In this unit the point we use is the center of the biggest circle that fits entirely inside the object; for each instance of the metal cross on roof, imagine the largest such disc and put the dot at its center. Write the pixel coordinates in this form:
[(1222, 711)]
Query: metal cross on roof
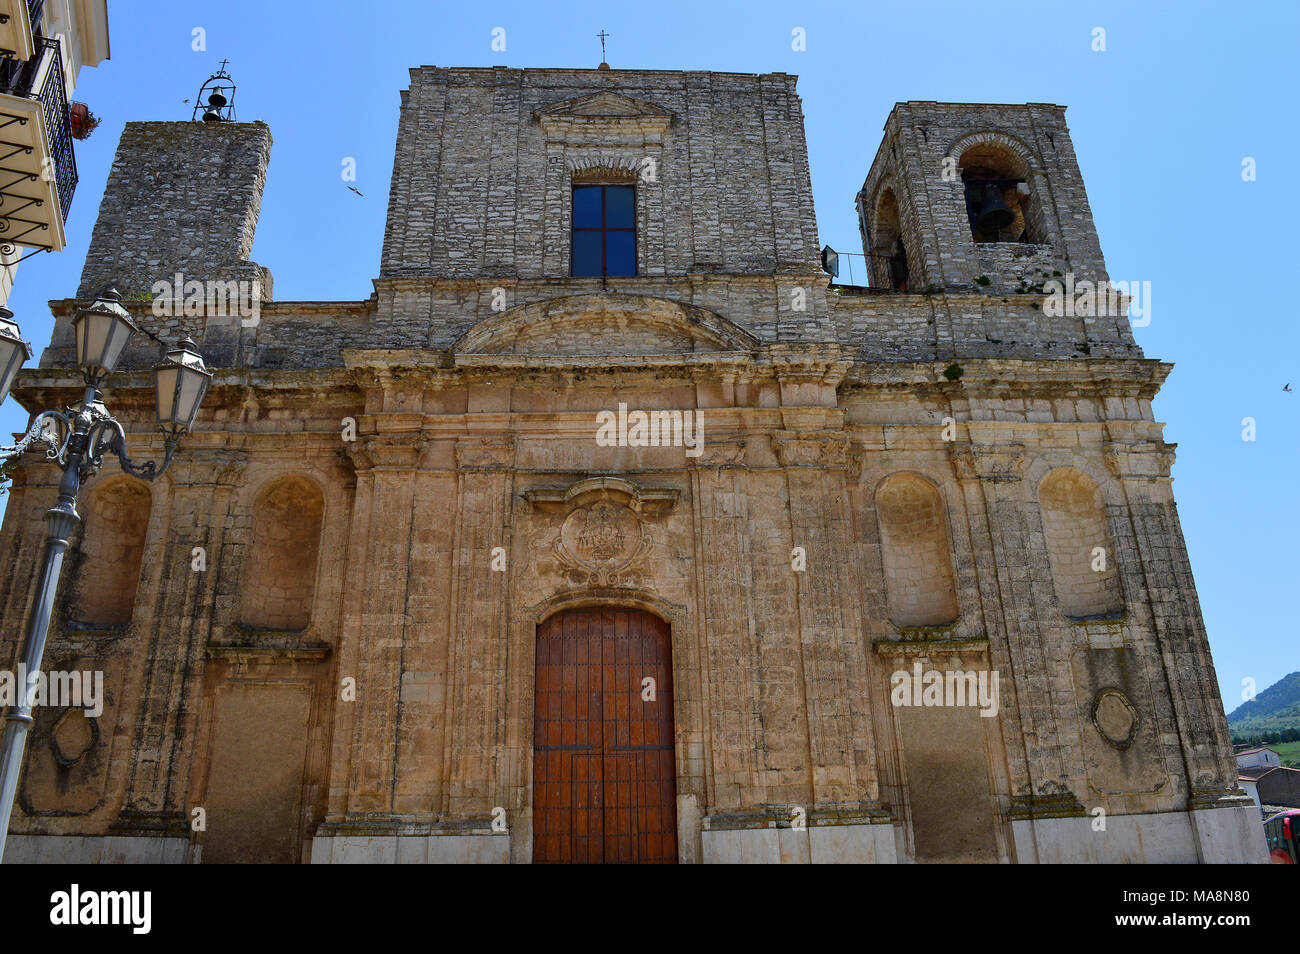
[(602, 34)]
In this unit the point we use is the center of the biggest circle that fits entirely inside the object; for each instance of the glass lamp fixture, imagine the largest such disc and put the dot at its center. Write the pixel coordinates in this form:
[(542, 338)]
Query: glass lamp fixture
[(180, 383), (102, 331), (13, 351)]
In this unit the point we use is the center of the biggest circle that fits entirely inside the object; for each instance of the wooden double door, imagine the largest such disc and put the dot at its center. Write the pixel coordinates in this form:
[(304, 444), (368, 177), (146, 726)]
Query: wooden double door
[(604, 779)]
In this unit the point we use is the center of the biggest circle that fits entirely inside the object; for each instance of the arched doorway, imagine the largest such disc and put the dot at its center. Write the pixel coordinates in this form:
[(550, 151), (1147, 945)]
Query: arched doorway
[(604, 780)]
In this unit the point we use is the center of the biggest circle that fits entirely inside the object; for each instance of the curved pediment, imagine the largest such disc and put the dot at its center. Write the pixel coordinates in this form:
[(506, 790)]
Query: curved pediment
[(599, 325)]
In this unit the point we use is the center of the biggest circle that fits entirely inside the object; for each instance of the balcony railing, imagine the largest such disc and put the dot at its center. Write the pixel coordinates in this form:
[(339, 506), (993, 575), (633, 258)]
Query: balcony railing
[(23, 159), (17, 36), (876, 273)]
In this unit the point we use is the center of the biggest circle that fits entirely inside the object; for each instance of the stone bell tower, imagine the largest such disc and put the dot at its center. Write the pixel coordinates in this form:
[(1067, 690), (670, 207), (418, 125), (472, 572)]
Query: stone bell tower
[(181, 196), (182, 199), (985, 198)]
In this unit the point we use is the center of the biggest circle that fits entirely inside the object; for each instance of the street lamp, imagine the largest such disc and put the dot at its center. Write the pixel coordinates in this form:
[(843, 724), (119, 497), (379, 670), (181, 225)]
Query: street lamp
[(13, 351), (179, 384), (77, 440), (101, 332)]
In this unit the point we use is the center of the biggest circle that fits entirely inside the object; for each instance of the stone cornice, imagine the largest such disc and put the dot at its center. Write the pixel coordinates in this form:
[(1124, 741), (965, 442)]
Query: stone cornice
[(913, 642), (781, 816), (66, 307), (51, 387), (1062, 804), (1140, 460), (1117, 377), (824, 363), (246, 655)]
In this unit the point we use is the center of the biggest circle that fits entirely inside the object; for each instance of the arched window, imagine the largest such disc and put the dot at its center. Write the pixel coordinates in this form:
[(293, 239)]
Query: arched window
[(280, 573), (1078, 544), (914, 549), (888, 264), (999, 198), (112, 548)]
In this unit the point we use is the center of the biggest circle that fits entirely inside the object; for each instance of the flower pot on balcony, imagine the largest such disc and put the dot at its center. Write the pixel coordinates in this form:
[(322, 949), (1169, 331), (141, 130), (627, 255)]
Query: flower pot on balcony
[(82, 120)]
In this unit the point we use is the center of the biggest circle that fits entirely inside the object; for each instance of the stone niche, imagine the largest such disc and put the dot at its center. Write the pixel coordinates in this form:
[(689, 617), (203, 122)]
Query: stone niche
[(255, 779)]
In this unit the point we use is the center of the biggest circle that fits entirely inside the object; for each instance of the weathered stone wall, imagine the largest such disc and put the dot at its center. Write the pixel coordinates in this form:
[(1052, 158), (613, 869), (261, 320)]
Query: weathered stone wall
[(444, 436), (150, 765), (446, 468), (481, 181), (436, 313), (181, 196)]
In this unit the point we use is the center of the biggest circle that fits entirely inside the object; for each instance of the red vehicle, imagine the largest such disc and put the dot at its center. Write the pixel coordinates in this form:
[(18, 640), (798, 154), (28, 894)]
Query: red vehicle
[(1282, 832)]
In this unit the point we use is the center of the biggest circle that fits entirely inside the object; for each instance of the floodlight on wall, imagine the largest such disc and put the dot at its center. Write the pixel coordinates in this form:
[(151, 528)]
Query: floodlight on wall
[(831, 262)]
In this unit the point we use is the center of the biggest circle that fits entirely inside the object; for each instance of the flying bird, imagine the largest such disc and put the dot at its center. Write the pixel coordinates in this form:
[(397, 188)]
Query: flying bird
[(1287, 386), (356, 190)]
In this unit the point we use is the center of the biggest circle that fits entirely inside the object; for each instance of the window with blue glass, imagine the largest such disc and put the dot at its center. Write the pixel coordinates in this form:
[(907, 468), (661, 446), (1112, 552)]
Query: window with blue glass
[(604, 230)]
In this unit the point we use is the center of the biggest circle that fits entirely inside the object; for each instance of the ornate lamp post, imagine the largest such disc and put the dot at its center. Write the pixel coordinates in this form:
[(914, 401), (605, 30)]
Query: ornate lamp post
[(77, 440)]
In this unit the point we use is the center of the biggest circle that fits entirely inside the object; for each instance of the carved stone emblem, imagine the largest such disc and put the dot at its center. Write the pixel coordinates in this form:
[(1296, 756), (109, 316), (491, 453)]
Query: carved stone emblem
[(600, 543), (603, 537)]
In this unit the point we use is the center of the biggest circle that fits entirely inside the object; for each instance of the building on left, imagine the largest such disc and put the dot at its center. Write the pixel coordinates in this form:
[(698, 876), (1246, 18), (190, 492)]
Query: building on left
[(43, 46)]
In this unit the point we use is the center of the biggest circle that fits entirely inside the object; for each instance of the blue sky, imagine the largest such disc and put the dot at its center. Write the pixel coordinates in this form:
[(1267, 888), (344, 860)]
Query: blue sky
[(1161, 122)]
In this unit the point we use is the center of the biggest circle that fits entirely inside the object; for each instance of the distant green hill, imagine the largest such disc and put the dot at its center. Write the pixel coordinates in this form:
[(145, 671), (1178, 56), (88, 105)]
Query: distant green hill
[(1276, 709)]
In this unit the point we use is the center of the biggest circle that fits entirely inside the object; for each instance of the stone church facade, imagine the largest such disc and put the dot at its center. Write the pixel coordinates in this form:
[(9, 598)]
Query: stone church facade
[(516, 562)]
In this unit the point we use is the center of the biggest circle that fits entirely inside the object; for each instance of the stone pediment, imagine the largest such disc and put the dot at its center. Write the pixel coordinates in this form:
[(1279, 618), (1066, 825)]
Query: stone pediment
[(596, 105), (604, 325), (605, 108)]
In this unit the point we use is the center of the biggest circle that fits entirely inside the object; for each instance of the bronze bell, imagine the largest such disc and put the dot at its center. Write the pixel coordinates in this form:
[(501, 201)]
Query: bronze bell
[(211, 116), (994, 214), (217, 100), (898, 268)]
